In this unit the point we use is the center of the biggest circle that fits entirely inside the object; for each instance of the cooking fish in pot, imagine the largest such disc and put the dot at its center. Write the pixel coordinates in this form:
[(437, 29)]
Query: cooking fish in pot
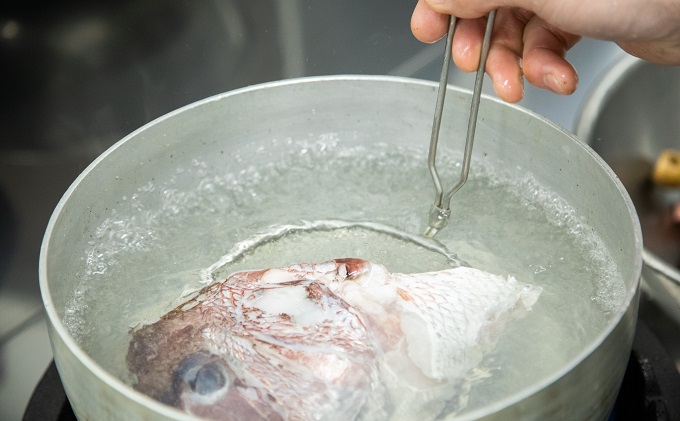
[(108, 263), (343, 339)]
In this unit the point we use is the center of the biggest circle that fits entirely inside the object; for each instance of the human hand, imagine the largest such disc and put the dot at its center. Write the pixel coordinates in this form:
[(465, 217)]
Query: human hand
[(531, 38)]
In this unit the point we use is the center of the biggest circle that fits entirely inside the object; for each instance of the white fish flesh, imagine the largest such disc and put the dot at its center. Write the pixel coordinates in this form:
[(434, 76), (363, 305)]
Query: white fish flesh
[(339, 340)]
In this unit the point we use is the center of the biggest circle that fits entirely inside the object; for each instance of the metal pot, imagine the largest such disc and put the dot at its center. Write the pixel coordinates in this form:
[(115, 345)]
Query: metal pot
[(360, 109), (629, 118)]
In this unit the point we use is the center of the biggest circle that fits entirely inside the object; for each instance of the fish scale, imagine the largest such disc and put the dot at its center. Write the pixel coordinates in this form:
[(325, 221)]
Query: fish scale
[(465, 300)]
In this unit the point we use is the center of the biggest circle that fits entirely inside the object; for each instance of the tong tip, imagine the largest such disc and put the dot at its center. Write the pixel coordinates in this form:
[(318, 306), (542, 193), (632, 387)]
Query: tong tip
[(438, 219)]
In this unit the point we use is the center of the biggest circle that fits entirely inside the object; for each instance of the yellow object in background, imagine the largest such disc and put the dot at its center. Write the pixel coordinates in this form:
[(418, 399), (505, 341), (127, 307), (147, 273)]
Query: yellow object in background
[(667, 168)]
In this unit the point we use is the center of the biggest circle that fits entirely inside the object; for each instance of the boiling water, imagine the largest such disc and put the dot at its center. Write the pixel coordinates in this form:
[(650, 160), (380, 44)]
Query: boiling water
[(323, 201)]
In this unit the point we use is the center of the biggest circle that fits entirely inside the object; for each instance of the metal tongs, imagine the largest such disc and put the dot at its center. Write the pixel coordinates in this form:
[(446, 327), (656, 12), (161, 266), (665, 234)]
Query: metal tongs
[(441, 209)]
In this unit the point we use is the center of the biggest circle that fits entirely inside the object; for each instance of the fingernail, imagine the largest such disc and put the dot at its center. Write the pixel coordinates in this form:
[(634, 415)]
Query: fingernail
[(553, 84)]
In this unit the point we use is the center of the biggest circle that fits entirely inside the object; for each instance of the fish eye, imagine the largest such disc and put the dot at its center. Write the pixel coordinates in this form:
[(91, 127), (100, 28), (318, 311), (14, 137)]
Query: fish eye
[(202, 374), (209, 379)]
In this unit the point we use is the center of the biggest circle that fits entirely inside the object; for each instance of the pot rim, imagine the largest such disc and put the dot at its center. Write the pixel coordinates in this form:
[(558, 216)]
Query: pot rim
[(603, 90), (165, 410)]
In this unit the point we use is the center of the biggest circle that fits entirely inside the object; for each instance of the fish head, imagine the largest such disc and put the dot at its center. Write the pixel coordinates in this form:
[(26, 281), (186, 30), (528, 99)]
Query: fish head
[(273, 344)]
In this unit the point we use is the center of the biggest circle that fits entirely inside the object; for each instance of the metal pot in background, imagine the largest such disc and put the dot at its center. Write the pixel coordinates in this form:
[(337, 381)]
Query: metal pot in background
[(630, 117)]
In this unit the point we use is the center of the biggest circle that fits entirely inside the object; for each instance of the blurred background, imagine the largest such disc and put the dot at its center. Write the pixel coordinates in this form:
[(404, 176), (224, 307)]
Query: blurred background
[(77, 76)]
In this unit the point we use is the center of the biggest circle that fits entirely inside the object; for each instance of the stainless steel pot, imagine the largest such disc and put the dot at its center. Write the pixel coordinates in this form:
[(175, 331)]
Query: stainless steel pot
[(629, 118), (361, 109)]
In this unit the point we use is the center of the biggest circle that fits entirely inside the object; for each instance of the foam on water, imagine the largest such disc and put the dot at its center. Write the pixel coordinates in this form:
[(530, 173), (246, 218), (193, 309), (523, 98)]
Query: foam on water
[(163, 242)]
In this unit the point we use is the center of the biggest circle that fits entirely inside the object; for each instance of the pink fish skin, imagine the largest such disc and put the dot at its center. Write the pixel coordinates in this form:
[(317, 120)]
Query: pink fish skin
[(322, 341)]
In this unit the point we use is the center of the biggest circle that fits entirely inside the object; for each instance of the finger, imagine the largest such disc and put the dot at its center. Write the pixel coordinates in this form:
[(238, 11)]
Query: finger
[(428, 25), (463, 9), (544, 62), (467, 43), (504, 60)]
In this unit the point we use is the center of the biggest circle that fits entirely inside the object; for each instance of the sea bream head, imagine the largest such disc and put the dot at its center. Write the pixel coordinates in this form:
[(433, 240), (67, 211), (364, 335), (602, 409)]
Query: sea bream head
[(269, 344), (338, 340)]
